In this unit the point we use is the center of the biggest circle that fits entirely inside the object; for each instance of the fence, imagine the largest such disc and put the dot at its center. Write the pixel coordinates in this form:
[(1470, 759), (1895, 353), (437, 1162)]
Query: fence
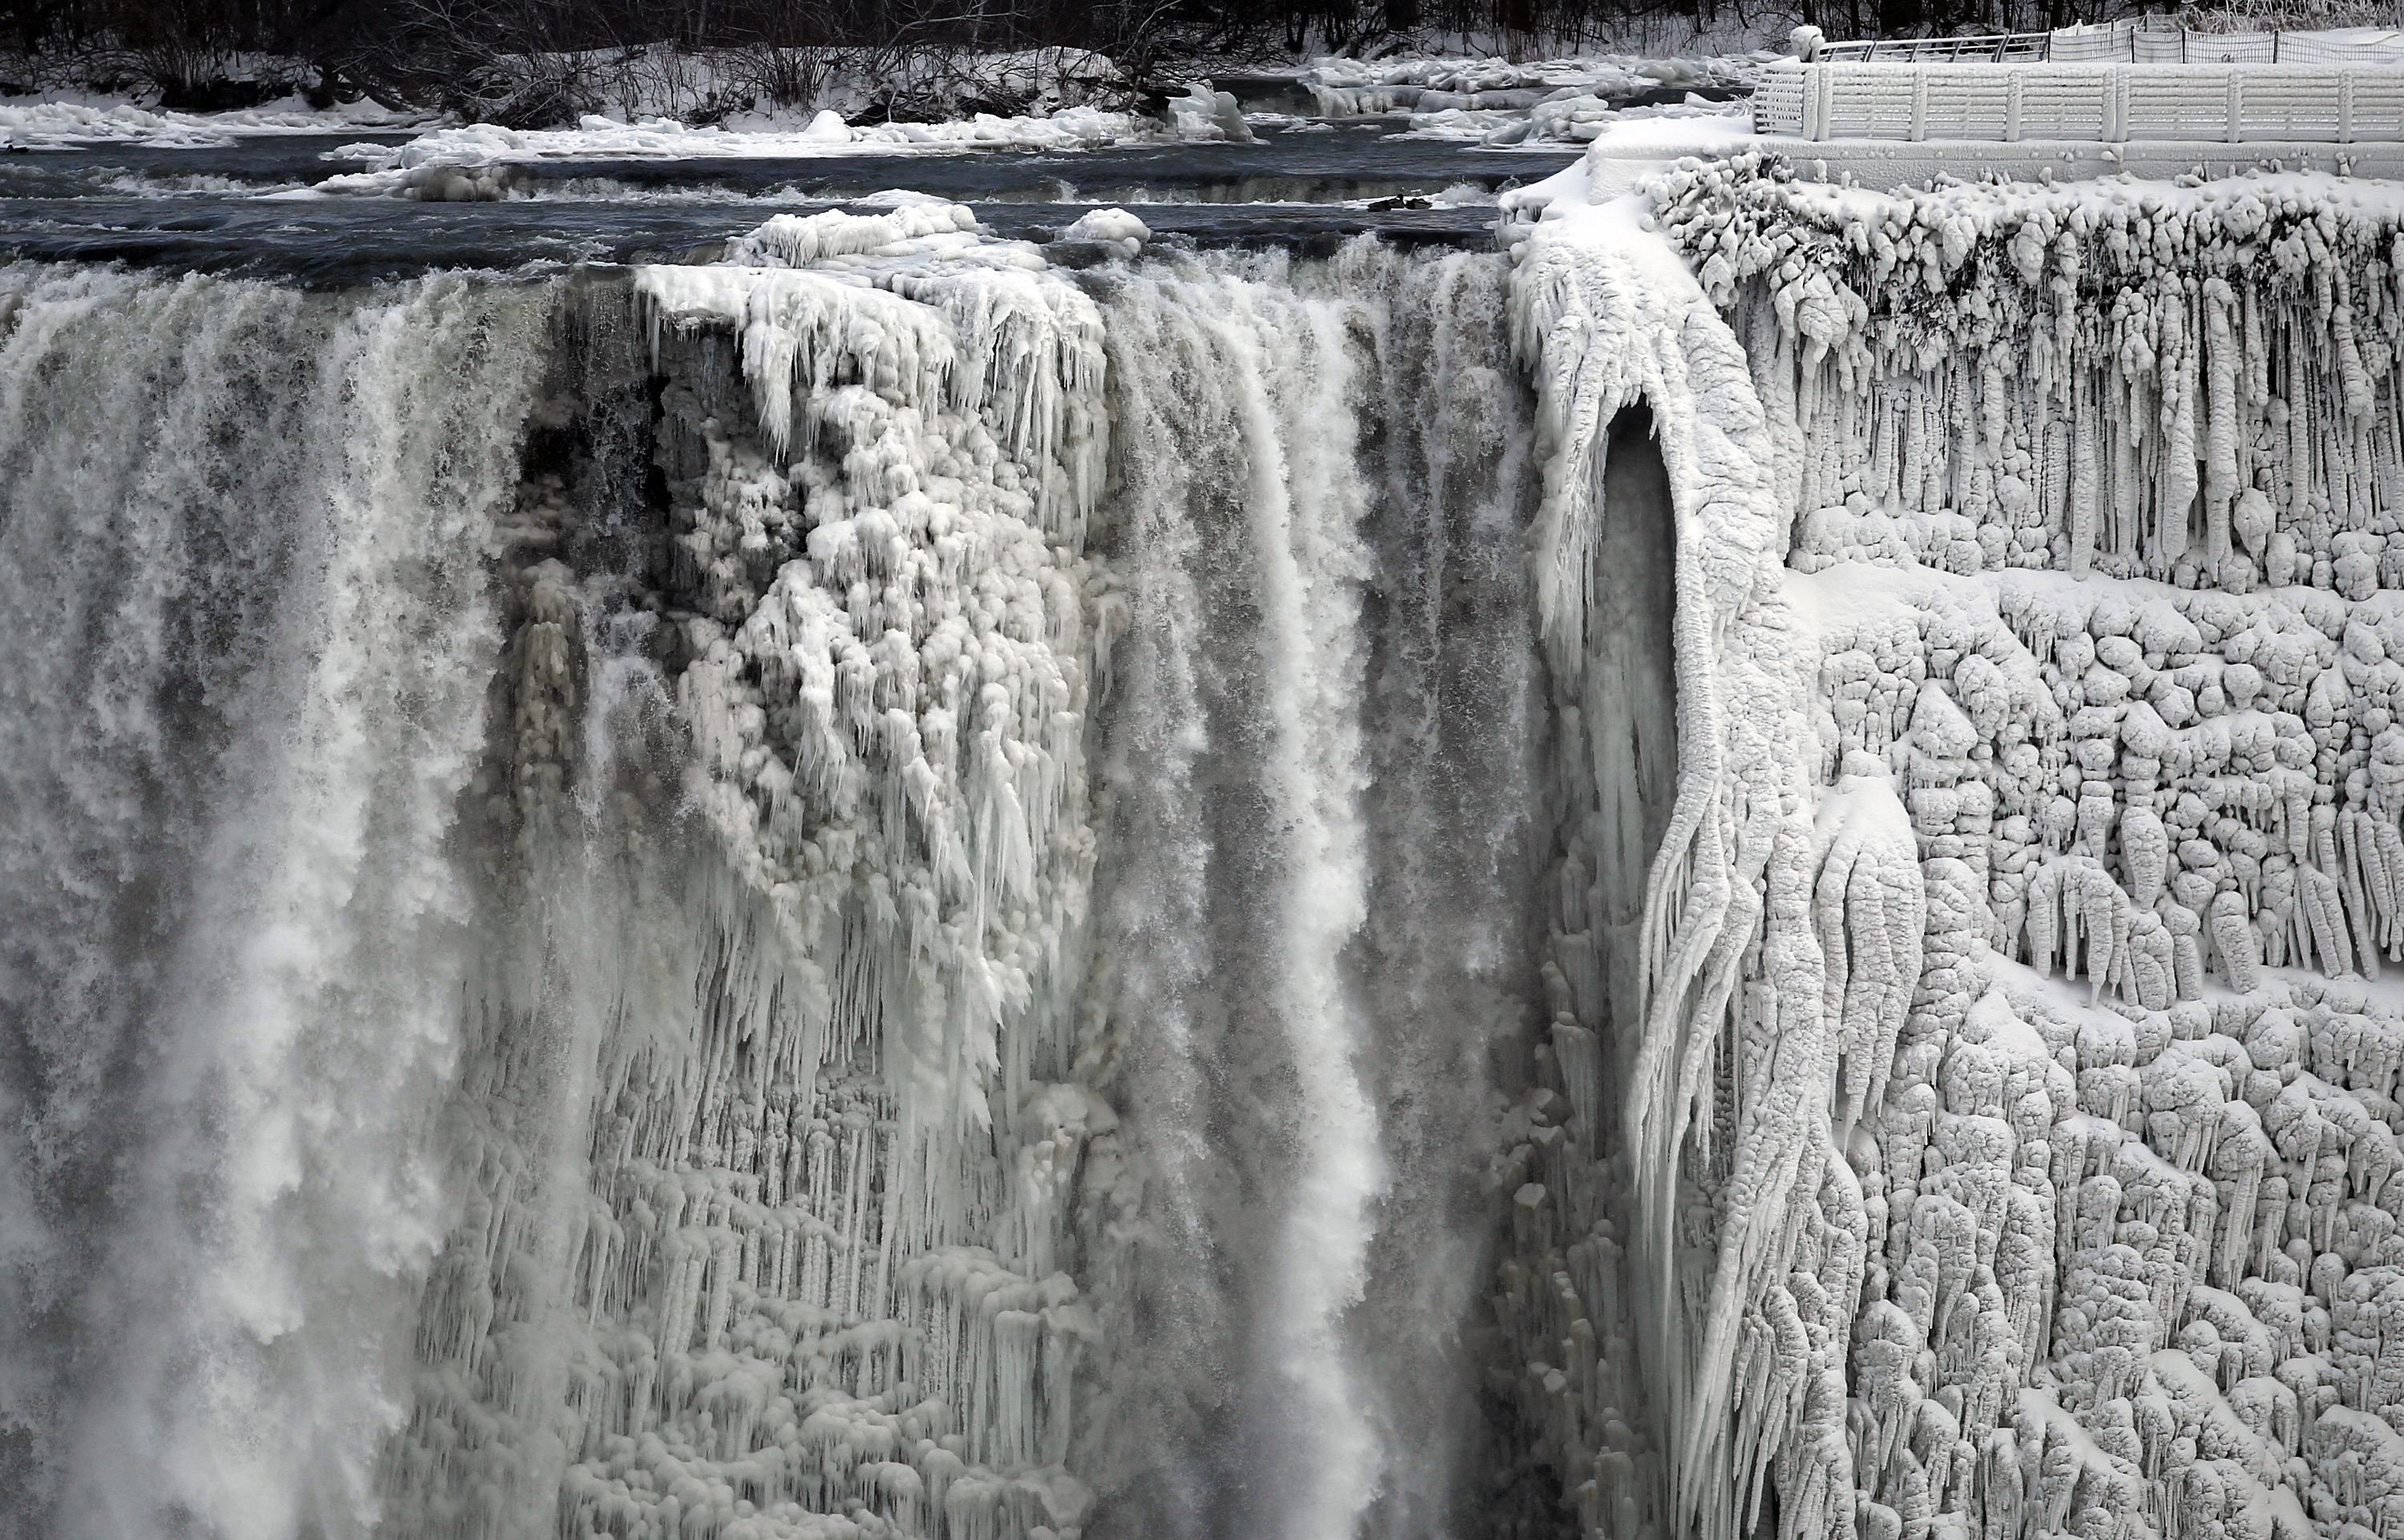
[(2003, 48), (2108, 104), (2130, 43)]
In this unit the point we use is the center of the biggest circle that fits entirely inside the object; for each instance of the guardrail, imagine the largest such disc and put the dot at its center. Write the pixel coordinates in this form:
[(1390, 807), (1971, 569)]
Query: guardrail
[(2108, 104), (2129, 43), (2002, 49)]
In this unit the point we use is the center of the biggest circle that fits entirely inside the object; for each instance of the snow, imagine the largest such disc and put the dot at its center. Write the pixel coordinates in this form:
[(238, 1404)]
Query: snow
[(600, 137), (1115, 225), (1501, 101), (1204, 114), (61, 121), (1348, 87)]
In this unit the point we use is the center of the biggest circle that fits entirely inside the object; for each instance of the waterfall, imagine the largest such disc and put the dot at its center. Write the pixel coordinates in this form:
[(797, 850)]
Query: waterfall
[(1721, 877), (875, 891), (1318, 776), (245, 536)]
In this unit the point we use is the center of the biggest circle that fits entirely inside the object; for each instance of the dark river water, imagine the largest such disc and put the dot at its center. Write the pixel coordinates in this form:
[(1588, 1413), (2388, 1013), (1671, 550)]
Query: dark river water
[(252, 206)]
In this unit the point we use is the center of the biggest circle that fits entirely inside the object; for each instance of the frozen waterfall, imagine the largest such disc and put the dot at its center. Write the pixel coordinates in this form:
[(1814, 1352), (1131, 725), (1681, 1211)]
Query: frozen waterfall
[(864, 891), (1732, 873)]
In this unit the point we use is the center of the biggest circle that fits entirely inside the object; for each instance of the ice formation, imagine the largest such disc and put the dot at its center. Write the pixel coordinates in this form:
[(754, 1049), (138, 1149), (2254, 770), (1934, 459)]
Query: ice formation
[(58, 122), (1202, 113), (2042, 1182), (833, 1167), (1732, 876), (1350, 87), (488, 145)]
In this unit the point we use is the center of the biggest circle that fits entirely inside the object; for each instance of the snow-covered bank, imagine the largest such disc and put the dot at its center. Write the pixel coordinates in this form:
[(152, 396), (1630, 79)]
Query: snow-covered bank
[(657, 103), (1500, 102), (826, 133), (65, 121), (1349, 87)]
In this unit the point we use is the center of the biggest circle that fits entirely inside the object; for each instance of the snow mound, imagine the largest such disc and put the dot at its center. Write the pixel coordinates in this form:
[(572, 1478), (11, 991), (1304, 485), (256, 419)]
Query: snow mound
[(598, 137), (61, 123), (1115, 225), (1202, 113)]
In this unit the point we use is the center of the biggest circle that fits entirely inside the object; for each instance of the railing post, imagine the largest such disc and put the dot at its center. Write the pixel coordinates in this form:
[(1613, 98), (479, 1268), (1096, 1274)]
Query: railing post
[(2012, 108), (2345, 107), (2236, 104), (1919, 104)]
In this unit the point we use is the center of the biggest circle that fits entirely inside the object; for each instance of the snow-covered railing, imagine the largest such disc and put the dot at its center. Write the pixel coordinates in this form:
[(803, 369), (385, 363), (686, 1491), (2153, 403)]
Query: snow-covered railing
[(2001, 47), (2133, 42), (2129, 43), (2108, 104)]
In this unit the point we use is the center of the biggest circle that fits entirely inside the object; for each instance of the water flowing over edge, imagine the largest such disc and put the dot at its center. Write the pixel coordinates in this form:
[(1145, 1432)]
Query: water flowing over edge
[(1987, 1123)]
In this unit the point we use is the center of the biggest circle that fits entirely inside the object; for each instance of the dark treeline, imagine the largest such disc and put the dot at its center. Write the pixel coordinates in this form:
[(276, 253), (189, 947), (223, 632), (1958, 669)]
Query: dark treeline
[(533, 59)]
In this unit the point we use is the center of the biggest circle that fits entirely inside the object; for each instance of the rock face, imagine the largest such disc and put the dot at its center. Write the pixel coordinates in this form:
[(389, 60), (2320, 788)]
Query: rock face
[(2041, 1180)]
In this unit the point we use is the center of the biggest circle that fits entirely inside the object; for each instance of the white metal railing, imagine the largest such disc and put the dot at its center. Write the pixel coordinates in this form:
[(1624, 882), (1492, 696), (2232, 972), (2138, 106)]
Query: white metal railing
[(2108, 104), (2003, 48), (2133, 42)]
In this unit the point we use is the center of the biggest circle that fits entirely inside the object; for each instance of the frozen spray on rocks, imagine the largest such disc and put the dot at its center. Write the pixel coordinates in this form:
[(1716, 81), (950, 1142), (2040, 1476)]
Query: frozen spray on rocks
[(2031, 1171)]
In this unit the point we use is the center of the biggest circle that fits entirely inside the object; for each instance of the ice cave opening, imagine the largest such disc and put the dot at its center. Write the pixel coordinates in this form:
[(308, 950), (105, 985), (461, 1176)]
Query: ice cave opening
[(1635, 733)]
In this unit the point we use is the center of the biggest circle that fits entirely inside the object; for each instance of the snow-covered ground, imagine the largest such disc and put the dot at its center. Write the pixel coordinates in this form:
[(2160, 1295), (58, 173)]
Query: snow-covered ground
[(1350, 86), (63, 121), (1503, 102)]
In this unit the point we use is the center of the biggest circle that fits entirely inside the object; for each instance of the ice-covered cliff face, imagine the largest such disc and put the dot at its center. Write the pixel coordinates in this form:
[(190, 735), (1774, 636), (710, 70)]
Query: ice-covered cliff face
[(871, 891), (2060, 982)]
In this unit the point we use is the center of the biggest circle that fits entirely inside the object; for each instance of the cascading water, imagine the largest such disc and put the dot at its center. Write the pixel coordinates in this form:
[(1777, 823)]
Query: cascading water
[(246, 538), (870, 893), (910, 886), (1318, 760)]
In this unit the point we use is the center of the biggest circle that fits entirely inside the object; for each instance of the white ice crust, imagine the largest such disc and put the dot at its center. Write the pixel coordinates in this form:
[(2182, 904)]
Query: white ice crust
[(2013, 1126)]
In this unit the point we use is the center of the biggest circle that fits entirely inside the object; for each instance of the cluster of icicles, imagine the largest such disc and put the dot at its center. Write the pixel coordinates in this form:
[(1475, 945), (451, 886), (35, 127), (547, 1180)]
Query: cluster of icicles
[(2004, 1140), (2050, 1148), (2192, 384), (817, 1288)]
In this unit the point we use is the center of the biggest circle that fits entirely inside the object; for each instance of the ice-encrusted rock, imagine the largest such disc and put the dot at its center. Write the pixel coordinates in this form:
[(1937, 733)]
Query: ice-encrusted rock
[(2093, 500)]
